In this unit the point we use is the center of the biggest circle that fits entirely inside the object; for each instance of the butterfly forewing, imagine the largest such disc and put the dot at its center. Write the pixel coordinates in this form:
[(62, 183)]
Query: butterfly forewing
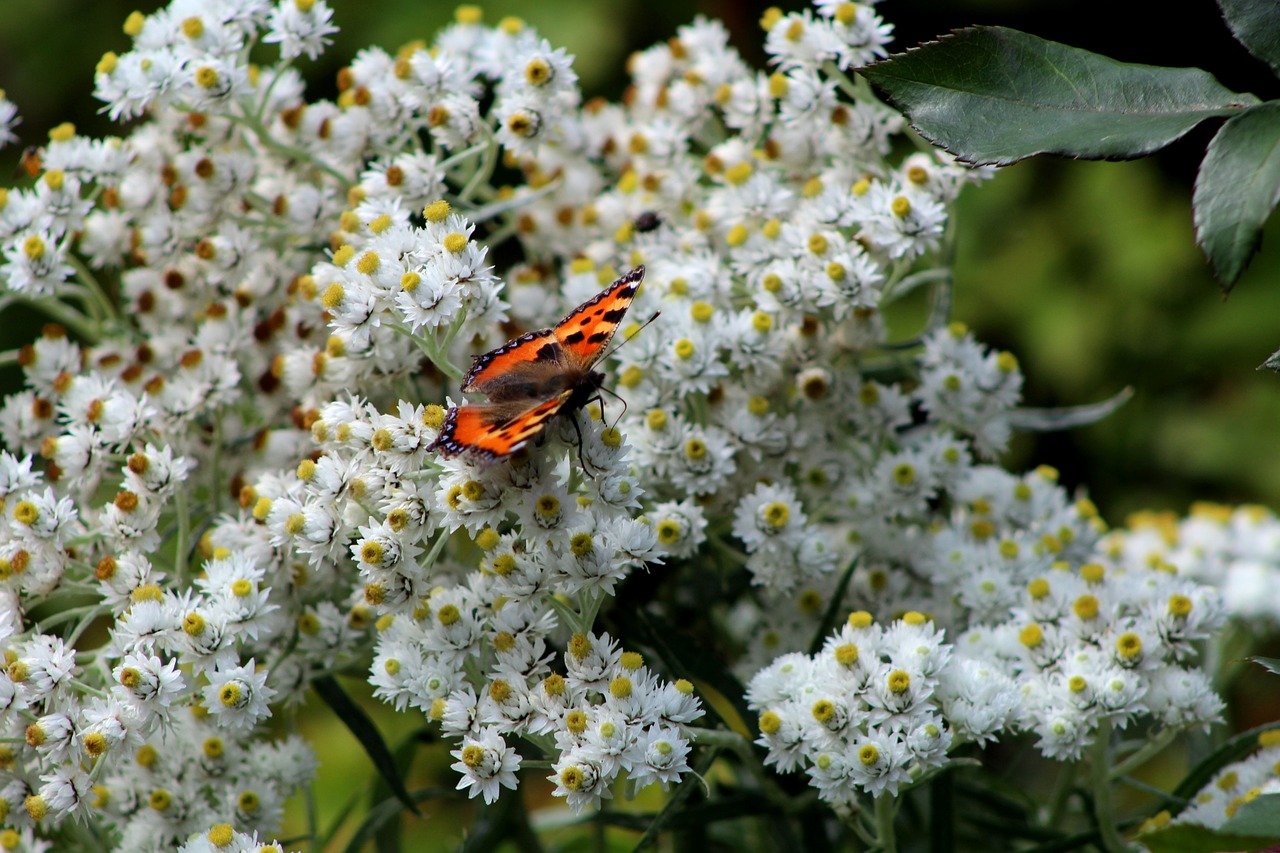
[(531, 348), (588, 329)]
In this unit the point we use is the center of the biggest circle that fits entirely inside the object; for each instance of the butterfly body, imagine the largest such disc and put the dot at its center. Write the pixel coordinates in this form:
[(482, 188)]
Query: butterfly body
[(533, 378)]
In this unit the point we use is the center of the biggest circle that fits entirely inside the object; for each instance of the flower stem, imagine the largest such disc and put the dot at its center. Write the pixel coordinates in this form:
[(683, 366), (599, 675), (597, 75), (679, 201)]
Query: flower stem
[(1062, 794), (884, 824), (1100, 776), (67, 316), (184, 532), (1141, 756)]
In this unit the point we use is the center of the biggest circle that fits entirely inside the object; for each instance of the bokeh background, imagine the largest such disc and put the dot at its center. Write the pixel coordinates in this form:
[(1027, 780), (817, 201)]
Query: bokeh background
[(1087, 271)]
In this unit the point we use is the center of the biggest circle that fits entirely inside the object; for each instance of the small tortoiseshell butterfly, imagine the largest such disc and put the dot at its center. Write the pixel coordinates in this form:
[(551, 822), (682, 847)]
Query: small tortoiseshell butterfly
[(536, 376)]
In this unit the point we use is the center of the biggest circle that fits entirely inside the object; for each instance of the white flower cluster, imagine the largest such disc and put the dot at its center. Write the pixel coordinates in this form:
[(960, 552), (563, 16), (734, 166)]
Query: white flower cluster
[(860, 715), (236, 493), (1236, 550), (1044, 635)]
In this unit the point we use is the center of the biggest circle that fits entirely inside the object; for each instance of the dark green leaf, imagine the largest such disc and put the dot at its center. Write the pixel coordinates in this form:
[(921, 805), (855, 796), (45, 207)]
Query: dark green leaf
[(387, 809), (358, 722), (687, 786), (1233, 750), (1187, 838), (996, 95), (387, 839), (1259, 816), (1256, 24), (1068, 417), (828, 622), (1271, 664), (1237, 188)]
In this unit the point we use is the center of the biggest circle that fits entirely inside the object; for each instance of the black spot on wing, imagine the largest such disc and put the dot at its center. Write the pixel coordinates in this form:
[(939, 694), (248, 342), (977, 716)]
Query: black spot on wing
[(574, 337), (546, 352), (615, 315), (598, 337)]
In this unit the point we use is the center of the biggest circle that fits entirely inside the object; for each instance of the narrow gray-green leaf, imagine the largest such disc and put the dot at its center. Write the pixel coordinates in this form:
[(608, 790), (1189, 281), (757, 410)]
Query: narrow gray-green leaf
[(1237, 188), (1271, 664), (1068, 417), (1256, 24), (994, 95), (1191, 838), (1259, 816), (1236, 748), (359, 724), (1272, 362)]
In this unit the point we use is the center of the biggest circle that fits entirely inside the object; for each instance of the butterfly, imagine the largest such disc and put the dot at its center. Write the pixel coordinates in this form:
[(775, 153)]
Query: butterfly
[(538, 375)]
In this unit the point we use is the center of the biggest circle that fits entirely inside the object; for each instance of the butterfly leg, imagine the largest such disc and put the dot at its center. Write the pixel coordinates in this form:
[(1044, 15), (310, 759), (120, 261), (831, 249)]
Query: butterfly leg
[(577, 431), (622, 399)]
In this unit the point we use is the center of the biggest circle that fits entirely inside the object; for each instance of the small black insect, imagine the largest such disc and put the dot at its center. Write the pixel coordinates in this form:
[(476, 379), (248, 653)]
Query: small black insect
[(646, 222)]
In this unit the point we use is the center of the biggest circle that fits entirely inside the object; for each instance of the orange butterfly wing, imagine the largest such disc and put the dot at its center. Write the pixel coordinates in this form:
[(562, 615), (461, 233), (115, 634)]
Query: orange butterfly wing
[(588, 329), (495, 430)]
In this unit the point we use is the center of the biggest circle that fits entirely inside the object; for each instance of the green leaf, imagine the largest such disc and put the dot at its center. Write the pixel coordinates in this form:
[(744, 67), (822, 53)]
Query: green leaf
[(1068, 417), (1271, 664), (994, 95), (387, 839), (674, 805), (1237, 188), (358, 722), (1233, 750), (387, 809), (1256, 25), (1189, 838), (1259, 816), (828, 622)]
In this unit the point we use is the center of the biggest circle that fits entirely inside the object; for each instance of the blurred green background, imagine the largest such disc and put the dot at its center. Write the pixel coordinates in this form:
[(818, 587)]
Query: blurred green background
[(1087, 271)]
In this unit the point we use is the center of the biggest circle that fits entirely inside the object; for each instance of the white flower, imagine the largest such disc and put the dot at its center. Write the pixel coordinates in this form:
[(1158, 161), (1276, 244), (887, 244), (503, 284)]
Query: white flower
[(237, 696), (486, 763)]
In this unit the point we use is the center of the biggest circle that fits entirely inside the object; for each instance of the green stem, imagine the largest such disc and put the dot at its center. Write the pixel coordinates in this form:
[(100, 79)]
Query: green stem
[(215, 467), (465, 154), (90, 281), (64, 616), (1100, 776), (484, 172), (264, 137), (430, 350), (67, 316), (81, 687), (84, 623), (1141, 756), (588, 607), (1062, 794), (184, 532), (884, 824)]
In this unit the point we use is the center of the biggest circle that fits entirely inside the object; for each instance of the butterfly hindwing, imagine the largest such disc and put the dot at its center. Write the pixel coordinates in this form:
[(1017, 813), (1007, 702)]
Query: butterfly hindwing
[(587, 330), (495, 430)]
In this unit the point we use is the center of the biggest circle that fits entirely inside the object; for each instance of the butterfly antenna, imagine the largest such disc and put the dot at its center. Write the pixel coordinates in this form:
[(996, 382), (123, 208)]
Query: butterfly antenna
[(629, 337)]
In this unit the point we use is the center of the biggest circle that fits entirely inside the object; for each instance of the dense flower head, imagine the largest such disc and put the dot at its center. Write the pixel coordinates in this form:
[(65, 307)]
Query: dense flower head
[(232, 449)]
